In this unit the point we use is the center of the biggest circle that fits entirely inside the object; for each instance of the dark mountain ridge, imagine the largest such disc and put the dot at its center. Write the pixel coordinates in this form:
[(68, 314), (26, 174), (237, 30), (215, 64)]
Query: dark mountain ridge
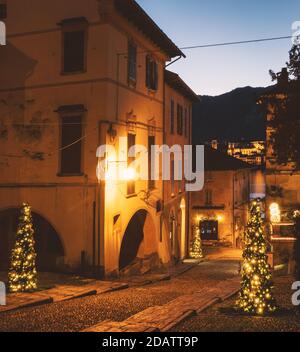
[(232, 116)]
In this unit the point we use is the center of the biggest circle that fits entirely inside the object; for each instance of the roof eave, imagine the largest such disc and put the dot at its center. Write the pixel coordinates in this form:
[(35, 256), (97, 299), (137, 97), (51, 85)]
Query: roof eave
[(135, 14)]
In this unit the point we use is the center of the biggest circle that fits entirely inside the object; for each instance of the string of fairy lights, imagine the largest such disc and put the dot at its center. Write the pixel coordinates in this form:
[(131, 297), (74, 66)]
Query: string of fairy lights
[(22, 275)]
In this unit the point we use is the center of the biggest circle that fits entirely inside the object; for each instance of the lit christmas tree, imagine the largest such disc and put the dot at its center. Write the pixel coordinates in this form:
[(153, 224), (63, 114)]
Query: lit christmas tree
[(22, 274), (256, 295), (196, 246)]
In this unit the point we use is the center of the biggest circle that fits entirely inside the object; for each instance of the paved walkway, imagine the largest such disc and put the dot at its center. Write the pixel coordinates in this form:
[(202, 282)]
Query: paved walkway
[(130, 307), (58, 294), (61, 293), (164, 318)]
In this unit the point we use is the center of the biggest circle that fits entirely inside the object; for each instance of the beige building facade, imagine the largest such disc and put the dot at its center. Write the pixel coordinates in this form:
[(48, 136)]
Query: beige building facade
[(75, 76), (179, 99)]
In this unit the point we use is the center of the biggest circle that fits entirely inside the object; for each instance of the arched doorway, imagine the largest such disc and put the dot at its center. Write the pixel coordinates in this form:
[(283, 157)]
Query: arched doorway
[(138, 240), (49, 248)]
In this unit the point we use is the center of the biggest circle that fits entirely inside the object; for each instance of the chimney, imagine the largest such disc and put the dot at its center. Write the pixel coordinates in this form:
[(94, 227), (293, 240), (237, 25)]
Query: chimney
[(214, 144), (283, 77)]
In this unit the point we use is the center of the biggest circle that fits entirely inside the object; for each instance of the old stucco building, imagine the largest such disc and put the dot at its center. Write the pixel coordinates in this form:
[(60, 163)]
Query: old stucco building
[(74, 76), (179, 99), (220, 210)]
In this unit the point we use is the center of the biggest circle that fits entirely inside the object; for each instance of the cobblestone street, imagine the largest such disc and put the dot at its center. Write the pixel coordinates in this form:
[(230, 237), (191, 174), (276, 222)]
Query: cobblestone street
[(83, 313)]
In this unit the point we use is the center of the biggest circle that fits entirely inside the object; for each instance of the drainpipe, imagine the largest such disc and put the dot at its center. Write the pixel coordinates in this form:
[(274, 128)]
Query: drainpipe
[(164, 139), (101, 213)]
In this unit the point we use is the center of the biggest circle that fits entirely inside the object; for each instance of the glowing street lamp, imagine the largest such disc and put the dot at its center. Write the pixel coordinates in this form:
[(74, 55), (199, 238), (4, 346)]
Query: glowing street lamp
[(129, 174), (220, 218)]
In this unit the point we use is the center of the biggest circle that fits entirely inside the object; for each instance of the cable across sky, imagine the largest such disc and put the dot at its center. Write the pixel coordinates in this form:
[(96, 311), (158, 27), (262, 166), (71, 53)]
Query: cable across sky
[(236, 43)]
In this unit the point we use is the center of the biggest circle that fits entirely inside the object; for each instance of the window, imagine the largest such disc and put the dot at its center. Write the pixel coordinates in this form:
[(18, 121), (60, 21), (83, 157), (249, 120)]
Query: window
[(151, 73), (172, 117), (208, 197), (74, 45), (185, 123), (151, 183), (132, 63), (179, 120), (172, 178), (71, 145), (3, 11), (130, 183)]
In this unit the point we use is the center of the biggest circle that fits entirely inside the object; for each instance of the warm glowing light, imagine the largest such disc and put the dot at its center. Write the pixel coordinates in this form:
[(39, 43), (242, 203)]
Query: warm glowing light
[(220, 218), (129, 174), (256, 296), (283, 239), (275, 213)]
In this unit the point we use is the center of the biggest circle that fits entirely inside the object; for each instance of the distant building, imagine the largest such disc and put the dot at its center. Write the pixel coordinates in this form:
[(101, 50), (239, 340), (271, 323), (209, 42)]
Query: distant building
[(251, 152), (221, 208)]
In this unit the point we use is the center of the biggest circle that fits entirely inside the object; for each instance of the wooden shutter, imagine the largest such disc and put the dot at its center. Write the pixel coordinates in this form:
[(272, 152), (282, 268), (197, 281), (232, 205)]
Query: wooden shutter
[(148, 71), (3, 11), (155, 74), (74, 51), (132, 62)]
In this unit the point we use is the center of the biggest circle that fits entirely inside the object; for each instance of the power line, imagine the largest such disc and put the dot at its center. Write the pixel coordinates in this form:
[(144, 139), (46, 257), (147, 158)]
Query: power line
[(236, 43), (201, 46)]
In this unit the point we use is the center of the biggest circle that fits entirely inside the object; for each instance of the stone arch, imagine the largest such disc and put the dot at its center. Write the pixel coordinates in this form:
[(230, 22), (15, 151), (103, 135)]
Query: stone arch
[(48, 243)]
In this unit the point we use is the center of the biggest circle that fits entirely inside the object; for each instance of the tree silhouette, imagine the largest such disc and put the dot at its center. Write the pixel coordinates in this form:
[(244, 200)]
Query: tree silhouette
[(283, 106)]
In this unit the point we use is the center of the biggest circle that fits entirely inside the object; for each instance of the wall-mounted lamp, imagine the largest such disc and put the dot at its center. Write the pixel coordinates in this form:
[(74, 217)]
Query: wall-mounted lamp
[(220, 218), (129, 174)]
